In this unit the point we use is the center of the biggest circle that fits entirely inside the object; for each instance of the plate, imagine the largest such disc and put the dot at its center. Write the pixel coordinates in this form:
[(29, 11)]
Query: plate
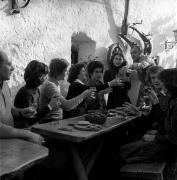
[(112, 114), (91, 127), (112, 111)]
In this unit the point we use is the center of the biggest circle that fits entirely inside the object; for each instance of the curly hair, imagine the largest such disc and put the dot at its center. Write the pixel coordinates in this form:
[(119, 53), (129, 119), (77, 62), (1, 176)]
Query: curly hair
[(33, 71), (169, 79), (75, 71), (94, 65), (152, 70), (57, 67)]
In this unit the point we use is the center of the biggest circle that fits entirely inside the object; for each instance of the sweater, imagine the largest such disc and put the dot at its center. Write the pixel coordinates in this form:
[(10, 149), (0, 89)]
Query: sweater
[(24, 97)]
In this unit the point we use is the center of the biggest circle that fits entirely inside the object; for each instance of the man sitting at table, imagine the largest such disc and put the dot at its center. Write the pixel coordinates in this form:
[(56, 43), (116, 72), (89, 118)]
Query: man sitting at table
[(7, 111)]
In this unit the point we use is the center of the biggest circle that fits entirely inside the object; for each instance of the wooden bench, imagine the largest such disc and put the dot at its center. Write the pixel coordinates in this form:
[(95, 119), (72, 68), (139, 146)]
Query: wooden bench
[(148, 171)]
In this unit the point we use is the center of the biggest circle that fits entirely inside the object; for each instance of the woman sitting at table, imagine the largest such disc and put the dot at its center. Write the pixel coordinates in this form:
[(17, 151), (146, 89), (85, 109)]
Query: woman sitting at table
[(161, 145), (95, 72), (78, 83), (51, 88), (119, 94), (77, 78), (28, 95)]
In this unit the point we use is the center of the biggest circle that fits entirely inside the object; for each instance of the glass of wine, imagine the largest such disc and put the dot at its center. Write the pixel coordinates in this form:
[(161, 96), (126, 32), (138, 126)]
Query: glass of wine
[(93, 95), (33, 107)]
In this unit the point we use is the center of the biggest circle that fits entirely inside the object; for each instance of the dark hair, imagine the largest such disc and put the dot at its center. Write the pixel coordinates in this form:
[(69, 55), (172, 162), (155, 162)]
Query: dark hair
[(124, 63), (94, 65), (152, 70), (57, 66), (169, 79), (74, 72), (33, 71), (2, 56)]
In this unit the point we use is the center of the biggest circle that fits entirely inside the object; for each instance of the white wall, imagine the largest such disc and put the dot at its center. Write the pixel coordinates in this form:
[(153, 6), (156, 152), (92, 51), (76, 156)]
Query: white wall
[(44, 28)]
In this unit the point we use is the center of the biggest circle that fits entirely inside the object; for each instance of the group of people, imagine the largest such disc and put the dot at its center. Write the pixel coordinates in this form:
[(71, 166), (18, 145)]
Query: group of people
[(40, 100)]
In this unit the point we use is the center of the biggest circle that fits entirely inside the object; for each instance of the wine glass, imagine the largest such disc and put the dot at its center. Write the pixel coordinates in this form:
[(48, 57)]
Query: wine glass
[(146, 104), (93, 95), (33, 107)]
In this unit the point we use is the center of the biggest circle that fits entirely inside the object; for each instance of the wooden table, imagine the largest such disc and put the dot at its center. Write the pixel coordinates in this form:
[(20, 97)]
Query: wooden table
[(16, 155), (51, 129), (75, 136)]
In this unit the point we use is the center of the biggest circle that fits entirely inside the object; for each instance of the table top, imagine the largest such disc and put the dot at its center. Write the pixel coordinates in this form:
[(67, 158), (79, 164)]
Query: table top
[(17, 155), (53, 129)]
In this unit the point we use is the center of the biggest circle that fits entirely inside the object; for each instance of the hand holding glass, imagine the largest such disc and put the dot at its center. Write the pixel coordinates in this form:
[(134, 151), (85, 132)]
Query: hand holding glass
[(33, 108), (93, 95)]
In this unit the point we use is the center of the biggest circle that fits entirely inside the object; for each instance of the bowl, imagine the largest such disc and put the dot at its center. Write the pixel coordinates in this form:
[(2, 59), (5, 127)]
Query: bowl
[(96, 118)]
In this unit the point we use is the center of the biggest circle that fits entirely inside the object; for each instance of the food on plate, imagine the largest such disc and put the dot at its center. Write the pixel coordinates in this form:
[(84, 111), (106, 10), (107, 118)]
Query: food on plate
[(96, 118), (112, 114), (83, 123)]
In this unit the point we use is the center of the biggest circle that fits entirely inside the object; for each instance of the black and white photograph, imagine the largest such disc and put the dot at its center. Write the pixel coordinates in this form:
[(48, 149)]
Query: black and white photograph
[(88, 89)]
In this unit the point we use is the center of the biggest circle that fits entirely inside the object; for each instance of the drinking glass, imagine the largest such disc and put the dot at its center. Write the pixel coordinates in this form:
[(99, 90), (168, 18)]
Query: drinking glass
[(33, 107), (146, 104), (93, 95)]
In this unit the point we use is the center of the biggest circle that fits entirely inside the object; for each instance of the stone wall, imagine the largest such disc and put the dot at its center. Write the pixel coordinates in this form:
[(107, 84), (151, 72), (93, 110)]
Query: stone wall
[(44, 28)]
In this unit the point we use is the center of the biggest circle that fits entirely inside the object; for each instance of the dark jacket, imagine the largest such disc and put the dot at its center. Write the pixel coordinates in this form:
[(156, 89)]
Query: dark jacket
[(23, 99), (75, 89), (165, 144), (119, 95)]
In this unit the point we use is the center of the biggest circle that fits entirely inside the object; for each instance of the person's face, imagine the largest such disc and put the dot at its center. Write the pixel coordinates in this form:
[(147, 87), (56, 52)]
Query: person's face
[(6, 69), (82, 75), (118, 60), (155, 82), (135, 54), (97, 74), (42, 78)]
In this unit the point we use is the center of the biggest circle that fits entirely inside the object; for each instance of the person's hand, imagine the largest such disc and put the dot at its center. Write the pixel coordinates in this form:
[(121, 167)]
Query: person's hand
[(116, 82), (105, 91), (130, 108), (152, 132), (33, 137), (28, 112), (55, 102), (152, 96), (149, 138), (89, 93)]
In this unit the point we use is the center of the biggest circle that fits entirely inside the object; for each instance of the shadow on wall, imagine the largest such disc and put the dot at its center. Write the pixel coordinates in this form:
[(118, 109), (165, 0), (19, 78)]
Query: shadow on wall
[(6, 7), (101, 53), (83, 46), (114, 29)]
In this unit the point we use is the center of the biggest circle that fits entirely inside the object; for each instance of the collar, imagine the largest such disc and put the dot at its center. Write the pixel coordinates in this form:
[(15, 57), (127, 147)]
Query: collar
[(79, 81)]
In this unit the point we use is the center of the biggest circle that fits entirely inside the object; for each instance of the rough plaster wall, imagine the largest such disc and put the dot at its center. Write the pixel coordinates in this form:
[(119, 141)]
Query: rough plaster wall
[(44, 28)]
